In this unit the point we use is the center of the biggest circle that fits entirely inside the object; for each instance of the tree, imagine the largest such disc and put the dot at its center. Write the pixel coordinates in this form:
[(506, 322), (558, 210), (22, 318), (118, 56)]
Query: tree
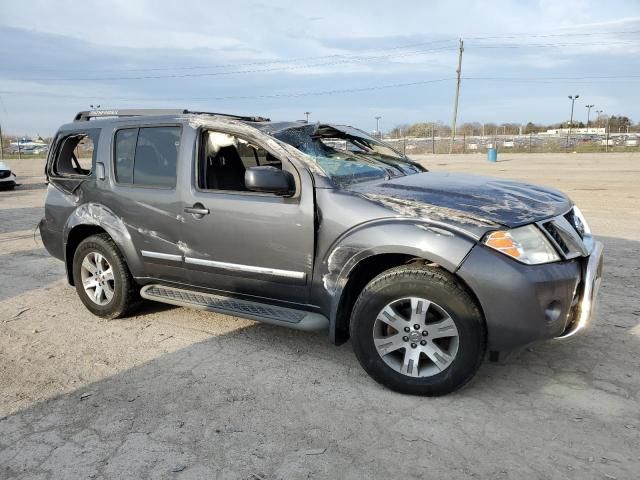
[(619, 123), (531, 127)]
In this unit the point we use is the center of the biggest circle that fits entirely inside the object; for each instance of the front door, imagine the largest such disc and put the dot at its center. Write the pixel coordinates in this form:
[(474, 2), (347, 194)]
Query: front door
[(242, 242)]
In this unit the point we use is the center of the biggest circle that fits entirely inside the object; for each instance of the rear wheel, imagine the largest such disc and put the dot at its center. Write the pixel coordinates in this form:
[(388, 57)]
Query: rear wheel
[(102, 279), (417, 330)]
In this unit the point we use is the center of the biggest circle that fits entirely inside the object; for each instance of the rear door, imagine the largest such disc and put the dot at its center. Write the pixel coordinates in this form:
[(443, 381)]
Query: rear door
[(255, 244), (144, 176)]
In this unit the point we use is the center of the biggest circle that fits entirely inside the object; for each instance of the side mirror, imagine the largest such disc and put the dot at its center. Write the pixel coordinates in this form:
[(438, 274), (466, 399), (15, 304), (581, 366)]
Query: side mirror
[(268, 179)]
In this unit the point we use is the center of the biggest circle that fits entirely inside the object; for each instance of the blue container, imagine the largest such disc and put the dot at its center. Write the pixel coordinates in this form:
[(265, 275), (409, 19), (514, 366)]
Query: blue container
[(492, 154)]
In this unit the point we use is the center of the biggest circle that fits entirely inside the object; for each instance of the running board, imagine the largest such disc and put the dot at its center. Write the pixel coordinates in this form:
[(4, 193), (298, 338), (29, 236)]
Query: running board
[(261, 312)]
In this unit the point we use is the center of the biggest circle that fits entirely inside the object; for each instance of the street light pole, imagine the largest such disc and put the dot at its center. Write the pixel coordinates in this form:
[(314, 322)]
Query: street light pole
[(589, 107), (573, 99), (307, 115), (378, 132), (598, 112)]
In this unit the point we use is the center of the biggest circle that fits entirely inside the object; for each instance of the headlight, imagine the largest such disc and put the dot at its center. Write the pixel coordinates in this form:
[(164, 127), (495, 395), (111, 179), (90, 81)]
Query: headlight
[(582, 227), (526, 244)]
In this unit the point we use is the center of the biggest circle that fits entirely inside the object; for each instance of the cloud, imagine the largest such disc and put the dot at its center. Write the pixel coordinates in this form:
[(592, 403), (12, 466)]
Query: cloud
[(274, 49)]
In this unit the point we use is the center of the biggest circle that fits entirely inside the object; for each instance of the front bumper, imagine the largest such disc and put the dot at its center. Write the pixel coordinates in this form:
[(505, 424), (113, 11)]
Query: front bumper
[(523, 304), (583, 314), (9, 181)]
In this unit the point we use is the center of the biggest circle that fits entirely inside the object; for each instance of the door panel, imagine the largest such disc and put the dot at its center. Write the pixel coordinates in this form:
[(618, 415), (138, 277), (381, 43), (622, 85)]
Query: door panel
[(253, 244), (143, 192)]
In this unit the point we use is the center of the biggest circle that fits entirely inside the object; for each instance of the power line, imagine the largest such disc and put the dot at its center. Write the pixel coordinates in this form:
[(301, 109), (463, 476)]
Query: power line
[(555, 45), (553, 79), (232, 97), (238, 72), (596, 78), (346, 56), (339, 61), (554, 35), (255, 63)]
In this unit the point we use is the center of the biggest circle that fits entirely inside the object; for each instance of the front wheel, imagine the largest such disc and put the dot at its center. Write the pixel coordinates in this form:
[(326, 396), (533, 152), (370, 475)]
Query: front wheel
[(417, 330)]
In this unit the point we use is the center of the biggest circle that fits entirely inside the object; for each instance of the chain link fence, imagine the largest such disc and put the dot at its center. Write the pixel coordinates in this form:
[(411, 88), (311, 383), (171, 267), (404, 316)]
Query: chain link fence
[(533, 143)]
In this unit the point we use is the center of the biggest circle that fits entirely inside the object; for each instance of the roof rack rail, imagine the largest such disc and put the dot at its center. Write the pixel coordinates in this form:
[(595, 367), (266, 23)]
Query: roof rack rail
[(136, 112), (247, 118), (87, 115)]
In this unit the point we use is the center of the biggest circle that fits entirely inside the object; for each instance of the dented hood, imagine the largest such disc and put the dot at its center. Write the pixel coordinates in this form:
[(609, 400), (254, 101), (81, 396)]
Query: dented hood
[(470, 200)]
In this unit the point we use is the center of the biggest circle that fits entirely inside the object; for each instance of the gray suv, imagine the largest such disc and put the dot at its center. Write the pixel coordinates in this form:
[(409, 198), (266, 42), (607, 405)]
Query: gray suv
[(316, 226)]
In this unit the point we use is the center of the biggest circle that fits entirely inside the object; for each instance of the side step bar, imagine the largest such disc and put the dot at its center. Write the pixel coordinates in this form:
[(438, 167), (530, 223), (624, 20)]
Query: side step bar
[(285, 317)]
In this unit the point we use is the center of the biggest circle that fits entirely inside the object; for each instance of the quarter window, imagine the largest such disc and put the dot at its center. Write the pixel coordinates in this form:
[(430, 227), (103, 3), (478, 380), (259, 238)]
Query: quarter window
[(75, 155), (125, 152), (147, 156)]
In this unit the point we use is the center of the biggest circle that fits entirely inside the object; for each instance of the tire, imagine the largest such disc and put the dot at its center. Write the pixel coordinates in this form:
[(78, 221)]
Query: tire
[(124, 291), (445, 352)]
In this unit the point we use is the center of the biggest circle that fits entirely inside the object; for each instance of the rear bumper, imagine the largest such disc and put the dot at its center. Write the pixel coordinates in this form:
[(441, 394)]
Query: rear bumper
[(523, 304)]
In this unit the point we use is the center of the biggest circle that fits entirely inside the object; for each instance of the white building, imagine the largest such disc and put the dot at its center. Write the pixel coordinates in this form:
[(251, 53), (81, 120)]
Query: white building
[(576, 131)]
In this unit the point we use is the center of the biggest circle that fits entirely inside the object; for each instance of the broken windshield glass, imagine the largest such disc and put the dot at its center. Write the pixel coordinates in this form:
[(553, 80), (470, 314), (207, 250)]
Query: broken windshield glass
[(348, 155)]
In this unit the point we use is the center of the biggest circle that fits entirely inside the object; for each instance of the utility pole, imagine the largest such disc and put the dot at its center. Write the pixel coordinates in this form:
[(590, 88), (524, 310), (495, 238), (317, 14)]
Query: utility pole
[(433, 139), (307, 115), (1, 145), (589, 107), (378, 132), (455, 102), (573, 99)]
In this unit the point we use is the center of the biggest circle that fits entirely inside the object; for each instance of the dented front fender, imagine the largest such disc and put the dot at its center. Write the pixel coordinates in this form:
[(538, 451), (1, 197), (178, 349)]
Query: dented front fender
[(408, 237)]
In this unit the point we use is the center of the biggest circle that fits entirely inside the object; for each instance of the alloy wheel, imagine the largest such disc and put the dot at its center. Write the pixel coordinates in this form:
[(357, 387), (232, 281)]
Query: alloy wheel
[(416, 337), (97, 278)]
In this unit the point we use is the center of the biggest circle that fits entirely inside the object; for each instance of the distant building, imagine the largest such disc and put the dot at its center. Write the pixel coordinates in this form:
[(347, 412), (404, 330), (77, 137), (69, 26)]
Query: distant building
[(575, 131)]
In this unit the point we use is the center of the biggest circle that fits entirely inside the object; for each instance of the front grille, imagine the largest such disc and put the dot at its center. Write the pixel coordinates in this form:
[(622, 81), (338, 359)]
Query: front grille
[(567, 234), (555, 235)]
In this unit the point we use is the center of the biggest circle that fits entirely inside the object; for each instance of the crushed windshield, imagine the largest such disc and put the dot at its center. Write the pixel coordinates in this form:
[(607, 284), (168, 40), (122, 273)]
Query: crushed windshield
[(348, 155)]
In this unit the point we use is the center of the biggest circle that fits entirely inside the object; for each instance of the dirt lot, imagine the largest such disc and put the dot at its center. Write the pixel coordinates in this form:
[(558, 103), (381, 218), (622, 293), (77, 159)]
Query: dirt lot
[(176, 393)]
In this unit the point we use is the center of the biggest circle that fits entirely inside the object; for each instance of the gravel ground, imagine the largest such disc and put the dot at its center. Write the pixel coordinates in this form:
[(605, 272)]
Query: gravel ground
[(178, 393)]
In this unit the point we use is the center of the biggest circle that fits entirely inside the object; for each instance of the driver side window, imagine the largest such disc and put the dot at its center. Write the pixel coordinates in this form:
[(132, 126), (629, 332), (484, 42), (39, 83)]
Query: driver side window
[(75, 155), (225, 158)]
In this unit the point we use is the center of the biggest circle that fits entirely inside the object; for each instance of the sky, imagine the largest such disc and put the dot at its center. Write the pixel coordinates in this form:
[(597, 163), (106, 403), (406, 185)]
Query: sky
[(345, 62)]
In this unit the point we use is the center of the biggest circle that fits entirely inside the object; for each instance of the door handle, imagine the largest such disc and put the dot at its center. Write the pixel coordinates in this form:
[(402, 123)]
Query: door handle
[(197, 209)]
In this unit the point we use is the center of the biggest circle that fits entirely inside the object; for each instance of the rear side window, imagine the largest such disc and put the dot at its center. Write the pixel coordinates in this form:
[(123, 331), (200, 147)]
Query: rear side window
[(147, 156), (75, 154)]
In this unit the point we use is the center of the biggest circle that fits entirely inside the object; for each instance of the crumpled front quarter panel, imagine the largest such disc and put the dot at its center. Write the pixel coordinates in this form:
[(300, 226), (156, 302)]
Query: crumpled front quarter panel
[(353, 229)]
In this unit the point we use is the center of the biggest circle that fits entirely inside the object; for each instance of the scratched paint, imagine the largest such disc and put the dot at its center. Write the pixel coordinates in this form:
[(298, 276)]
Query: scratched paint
[(466, 199)]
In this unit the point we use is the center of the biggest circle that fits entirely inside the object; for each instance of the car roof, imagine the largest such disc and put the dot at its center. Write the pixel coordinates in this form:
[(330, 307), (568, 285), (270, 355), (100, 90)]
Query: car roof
[(100, 118)]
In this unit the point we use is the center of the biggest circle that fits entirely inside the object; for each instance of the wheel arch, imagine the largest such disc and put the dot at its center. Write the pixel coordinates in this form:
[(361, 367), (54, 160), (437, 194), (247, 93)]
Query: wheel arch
[(350, 265), (77, 235), (365, 271), (91, 219)]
